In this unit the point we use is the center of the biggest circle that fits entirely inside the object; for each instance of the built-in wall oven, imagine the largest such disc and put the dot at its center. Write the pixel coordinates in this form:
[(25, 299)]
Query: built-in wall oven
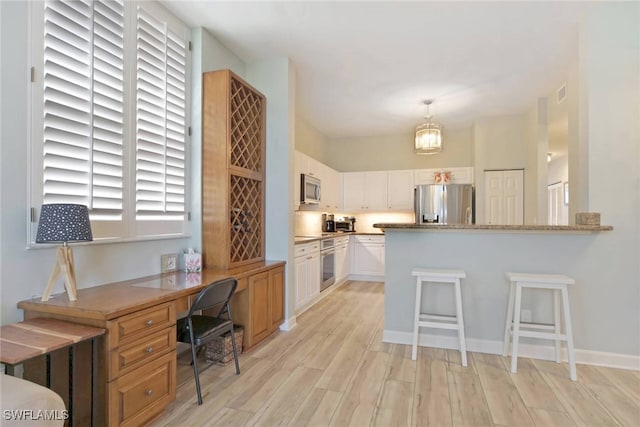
[(327, 263)]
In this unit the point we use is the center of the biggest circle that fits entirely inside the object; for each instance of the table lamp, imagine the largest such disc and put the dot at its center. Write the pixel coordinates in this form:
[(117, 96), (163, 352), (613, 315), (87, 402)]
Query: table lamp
[(63, 223)]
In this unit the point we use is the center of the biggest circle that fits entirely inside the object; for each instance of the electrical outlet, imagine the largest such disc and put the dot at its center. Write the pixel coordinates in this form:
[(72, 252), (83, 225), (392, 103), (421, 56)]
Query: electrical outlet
[(525, 316)]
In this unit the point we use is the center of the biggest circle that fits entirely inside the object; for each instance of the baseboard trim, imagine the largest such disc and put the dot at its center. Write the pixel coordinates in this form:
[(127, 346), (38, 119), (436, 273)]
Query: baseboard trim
[(544, 352), (289, 324), (365, 278)]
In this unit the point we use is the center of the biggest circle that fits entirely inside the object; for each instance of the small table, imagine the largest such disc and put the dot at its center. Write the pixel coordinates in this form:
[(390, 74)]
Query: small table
[(26, 340)]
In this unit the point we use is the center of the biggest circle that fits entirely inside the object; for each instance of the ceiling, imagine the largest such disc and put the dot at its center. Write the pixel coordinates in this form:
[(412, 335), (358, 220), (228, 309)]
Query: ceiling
[(364, 68)]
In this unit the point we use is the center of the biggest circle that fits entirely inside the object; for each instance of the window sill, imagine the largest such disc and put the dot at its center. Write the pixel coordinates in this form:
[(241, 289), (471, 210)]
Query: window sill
[(107, 241)]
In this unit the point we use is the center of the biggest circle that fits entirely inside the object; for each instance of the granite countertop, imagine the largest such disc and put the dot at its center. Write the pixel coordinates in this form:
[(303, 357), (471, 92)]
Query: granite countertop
[(511, 228), (307, 239)]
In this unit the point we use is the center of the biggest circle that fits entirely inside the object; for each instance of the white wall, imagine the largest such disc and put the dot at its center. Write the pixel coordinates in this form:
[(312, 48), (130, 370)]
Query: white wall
[(558, 170), (25, 272), (275, 78), (311, 142), (208, 55), (498, 143), (391, 152), (535, 170), (605, 300)]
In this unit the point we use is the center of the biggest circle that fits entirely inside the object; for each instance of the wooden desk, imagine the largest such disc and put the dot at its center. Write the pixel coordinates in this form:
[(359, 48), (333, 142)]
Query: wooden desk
[(24, 341), (137, 360)]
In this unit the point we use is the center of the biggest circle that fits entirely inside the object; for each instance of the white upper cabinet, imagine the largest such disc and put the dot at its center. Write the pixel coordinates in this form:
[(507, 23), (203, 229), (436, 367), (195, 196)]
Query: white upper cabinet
[(308, 165), (400, 190), (329, 180), (330, 187), (364, 191)]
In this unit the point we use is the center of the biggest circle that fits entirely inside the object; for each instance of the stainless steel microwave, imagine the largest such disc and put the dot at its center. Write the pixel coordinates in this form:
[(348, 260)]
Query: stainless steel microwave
[(309, 189)]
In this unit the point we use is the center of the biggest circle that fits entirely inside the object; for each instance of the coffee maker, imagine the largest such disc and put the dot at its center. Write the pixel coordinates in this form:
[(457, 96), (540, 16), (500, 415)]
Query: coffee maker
[(328, 223)]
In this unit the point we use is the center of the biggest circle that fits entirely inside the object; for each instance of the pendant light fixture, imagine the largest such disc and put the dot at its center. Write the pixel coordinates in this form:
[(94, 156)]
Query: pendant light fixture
[(428, 134)]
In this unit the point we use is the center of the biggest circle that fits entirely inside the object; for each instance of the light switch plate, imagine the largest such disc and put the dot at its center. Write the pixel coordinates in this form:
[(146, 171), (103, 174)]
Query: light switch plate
[(169, 262)]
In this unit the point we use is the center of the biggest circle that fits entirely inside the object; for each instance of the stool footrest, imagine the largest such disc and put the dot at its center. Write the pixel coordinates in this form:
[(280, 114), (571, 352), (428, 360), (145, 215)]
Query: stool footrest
[(441, 317), (543, 335), (542, 326), (439, 325)]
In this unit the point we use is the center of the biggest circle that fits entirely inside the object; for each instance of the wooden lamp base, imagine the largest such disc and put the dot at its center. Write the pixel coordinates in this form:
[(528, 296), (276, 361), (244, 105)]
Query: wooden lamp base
[(64, 266)]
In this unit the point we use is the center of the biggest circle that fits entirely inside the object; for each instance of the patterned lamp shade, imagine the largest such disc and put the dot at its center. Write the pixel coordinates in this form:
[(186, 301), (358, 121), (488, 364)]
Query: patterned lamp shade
[(63, 222)]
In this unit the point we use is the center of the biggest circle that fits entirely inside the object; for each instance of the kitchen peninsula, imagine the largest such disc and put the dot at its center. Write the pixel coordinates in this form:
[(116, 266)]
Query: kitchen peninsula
[(485, 253)]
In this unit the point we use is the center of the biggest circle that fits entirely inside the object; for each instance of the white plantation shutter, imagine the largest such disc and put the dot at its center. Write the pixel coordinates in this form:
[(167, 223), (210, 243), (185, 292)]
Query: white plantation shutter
[(83, 105), (160, 120), (110, 101)]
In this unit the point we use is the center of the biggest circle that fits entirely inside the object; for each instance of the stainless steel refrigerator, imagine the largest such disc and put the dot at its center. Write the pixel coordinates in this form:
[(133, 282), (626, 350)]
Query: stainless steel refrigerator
[(444, 204)]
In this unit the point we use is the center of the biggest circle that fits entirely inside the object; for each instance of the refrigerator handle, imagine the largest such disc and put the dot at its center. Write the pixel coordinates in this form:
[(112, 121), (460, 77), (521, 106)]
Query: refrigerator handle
[(416, 209)]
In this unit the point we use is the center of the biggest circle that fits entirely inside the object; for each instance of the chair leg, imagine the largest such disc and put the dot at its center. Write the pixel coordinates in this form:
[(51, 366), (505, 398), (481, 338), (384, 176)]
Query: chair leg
[(556, 322), (235, 350), (567, 330), (516, 329), (509, 322), (460, 319), (416, 319), (195, 371)]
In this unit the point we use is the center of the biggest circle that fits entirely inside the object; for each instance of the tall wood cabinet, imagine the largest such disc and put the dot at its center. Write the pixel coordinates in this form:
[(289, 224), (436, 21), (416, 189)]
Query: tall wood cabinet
[(233, 188), (233, 169)]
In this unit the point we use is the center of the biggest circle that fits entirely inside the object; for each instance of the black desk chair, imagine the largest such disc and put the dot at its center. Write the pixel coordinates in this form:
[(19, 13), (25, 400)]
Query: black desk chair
[(198, 329)]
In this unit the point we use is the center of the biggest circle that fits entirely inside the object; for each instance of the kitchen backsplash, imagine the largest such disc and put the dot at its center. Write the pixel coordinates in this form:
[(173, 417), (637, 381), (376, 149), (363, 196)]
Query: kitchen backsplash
[(310, 223)]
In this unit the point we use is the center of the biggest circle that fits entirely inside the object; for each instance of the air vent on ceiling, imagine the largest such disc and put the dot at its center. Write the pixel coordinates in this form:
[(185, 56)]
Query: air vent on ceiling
[(562, 93)]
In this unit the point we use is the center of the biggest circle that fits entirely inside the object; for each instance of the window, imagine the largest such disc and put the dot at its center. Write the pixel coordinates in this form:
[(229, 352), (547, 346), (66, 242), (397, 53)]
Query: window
[(110, 114)]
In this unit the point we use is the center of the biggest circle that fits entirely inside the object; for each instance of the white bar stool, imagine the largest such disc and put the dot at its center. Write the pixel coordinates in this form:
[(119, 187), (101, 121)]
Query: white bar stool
[(426, 320), (514, 327)]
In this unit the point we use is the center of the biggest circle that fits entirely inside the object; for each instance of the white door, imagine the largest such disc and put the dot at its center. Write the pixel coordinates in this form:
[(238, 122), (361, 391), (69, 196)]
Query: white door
[(514, 197), (557, 210), (504, 197)]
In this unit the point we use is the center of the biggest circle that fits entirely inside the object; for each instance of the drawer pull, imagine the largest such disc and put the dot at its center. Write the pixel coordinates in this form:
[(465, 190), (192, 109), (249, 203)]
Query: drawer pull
[(149, 322), (148, 392), (150, 350)]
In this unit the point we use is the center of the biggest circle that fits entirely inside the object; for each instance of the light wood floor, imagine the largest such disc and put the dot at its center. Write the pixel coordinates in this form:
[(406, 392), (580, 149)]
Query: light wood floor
[(333, 369)]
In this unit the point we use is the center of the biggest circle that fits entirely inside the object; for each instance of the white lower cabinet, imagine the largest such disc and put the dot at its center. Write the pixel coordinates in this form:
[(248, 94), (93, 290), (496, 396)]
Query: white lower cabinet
[(307, 272), (368, 256), (342, 259)]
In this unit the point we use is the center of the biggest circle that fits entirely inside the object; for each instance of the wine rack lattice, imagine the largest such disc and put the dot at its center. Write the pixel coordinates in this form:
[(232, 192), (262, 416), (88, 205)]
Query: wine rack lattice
[(246, 219), (246, 127)]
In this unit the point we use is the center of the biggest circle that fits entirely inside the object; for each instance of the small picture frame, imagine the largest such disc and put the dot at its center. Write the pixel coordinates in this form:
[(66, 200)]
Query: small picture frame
[(565, 187)]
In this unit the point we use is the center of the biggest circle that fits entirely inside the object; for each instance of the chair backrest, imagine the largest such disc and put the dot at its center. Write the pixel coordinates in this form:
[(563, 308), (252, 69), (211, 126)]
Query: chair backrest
[(216, 294)]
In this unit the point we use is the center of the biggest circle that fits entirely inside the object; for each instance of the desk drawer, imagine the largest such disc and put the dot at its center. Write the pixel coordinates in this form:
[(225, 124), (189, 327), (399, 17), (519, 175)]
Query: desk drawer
[(139, 352), (141, 324), (137, 397)]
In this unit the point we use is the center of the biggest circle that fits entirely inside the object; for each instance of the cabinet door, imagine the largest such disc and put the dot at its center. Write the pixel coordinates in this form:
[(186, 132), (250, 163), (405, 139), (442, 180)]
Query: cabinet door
[(353, 191), (461, 175), (369, 259), (376, 191), (260, 294), (276, 300), (313, 278), (400, 190), (301, 266), (424, 176), (332, 179), (342, 262)]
